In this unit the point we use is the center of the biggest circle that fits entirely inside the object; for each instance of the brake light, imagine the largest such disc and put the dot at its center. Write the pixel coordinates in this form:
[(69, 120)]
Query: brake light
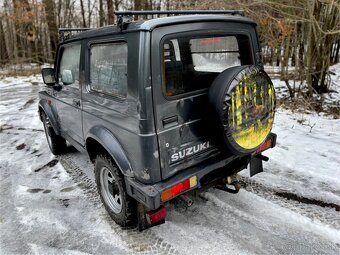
[(264, 146), (178, 188), (211, 40)]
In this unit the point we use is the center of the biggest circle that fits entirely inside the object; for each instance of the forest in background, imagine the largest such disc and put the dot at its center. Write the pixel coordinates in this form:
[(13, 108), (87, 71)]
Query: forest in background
[(301, 38)]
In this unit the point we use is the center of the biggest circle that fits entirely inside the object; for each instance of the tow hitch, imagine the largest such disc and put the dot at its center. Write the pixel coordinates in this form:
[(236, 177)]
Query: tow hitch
[(231, 181)]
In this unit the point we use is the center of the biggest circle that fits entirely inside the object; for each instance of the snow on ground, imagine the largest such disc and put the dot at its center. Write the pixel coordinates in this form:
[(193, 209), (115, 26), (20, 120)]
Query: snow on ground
[(307, 154), (42, 210), (48, 207)]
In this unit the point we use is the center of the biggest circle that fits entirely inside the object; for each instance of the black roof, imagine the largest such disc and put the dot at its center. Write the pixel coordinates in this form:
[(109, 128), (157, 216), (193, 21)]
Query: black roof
[(149, 25)]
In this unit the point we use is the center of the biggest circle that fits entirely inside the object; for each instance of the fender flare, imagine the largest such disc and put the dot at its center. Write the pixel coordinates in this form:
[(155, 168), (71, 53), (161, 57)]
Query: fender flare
[(46, 108), (110, 143)]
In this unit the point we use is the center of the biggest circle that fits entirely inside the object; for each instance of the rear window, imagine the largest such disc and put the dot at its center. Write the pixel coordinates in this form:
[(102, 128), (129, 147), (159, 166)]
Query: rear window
[(191, 63)]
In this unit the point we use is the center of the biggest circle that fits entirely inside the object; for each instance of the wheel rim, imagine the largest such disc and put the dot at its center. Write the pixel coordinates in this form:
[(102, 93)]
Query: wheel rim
[(47, 132), (110, 190)]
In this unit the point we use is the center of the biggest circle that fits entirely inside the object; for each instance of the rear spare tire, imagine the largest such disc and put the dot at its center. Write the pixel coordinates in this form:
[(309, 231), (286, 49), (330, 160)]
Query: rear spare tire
[(243, 102)]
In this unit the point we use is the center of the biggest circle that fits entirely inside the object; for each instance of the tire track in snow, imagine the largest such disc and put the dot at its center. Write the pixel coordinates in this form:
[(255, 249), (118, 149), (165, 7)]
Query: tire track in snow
[(145, 242), (315, 212)]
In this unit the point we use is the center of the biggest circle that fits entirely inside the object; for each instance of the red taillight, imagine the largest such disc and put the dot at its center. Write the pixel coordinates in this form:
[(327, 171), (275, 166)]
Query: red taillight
[(264, 146), (178, 188), (156, 216)]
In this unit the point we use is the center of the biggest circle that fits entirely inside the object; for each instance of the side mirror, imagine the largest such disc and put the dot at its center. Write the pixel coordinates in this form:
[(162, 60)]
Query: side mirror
[(48, 76), (67, 77)]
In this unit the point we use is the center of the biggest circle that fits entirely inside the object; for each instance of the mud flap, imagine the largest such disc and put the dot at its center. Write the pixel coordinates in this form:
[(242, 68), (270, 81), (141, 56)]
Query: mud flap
[(255, 166), (143, 222), (141, 216)]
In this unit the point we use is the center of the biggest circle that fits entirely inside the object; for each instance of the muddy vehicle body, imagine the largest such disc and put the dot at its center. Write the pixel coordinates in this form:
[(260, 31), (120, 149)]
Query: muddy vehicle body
[(162, 107)]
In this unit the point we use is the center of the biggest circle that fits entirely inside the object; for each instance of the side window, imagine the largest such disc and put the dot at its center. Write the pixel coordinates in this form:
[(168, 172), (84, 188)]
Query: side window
[(69, 66), (108, 70)]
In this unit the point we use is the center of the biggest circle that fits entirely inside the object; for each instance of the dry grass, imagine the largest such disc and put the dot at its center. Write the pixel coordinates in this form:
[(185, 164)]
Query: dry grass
[(310, 105)]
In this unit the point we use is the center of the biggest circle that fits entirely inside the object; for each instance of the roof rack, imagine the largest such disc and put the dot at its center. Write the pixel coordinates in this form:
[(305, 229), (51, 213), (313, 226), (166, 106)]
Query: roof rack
[(124, 16), (65, 33), (179, 12)]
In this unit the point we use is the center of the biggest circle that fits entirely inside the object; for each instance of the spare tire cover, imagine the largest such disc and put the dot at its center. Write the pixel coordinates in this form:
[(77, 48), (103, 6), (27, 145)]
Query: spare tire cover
[(243, 99)]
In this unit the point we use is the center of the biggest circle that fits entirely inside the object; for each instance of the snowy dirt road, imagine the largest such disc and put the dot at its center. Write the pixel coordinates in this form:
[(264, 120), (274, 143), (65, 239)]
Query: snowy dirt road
[(49, 205)]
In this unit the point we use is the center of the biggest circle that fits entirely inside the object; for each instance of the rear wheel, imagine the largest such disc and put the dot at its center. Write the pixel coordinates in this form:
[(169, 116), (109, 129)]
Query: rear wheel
[(56, 143), (111, 188)]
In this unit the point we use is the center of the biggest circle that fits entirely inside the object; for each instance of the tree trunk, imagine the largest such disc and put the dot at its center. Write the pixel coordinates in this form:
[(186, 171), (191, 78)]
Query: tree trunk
[(82, 12), (137, 5), (51, 23), (335, 58), (110, 14), (3, 50), (101, 14)]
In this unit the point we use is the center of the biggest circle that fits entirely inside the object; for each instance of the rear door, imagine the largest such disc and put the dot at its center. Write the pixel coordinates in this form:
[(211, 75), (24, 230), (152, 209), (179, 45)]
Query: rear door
[(188, 62), (69, 96)]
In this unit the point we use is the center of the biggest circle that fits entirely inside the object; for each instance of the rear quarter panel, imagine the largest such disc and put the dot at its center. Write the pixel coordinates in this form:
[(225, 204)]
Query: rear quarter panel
[(127, 119)]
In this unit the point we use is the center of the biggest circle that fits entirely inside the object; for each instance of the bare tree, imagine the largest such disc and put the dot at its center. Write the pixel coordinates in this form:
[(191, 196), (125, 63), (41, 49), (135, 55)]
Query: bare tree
[(101, 14), (4, 56), (83, 12), (110, 14), (51, 23)]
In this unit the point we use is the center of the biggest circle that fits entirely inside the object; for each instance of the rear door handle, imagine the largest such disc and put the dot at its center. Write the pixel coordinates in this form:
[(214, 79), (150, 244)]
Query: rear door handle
[(76, 102), (171, 121)]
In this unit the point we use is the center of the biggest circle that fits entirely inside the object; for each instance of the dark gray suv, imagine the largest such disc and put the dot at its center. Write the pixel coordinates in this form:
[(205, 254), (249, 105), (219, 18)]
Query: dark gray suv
[(162, 107)]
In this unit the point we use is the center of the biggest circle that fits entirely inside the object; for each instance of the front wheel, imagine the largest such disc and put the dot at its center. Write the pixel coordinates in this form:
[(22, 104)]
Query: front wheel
[(111, 188), (56, 143)]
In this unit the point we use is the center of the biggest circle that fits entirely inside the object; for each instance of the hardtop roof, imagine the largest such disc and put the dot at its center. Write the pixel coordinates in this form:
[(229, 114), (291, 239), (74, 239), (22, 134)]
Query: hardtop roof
[(149, 25)]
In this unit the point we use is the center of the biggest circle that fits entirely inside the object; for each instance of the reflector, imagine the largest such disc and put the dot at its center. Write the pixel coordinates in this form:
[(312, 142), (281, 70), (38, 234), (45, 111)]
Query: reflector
[(156, 216), (266, 145)]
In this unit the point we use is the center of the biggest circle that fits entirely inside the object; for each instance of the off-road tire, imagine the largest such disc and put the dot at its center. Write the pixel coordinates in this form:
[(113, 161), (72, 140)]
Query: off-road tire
[(220, 95), (56, 143), (127, 216)]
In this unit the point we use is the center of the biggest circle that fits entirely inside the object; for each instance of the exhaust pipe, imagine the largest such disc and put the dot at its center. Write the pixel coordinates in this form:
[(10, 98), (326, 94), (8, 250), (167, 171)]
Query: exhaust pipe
[(186, 200)]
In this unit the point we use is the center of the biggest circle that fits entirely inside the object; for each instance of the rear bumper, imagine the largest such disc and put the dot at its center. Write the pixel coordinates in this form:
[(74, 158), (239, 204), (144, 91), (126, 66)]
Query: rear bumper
[(150, 195)]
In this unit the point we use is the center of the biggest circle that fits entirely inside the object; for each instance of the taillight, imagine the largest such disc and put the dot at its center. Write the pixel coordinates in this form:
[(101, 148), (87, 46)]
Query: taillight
[(178, 188), (264, 146)]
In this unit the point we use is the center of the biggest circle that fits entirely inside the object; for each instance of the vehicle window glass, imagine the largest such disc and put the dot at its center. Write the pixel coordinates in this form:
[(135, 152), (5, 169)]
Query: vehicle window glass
[(191, 63), (108, 71), (69, 66), (214, 54)]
